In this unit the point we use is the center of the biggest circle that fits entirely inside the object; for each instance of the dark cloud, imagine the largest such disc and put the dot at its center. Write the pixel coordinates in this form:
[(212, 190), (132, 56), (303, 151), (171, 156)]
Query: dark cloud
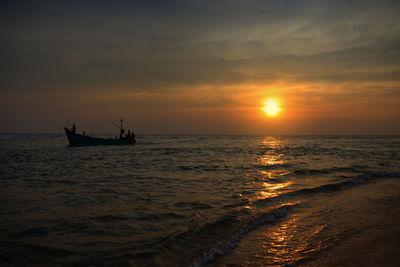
[(153, 45), (204, 50)]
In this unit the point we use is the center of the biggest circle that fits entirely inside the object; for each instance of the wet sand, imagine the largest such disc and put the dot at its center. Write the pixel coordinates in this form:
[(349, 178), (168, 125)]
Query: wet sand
[(359, 226), (378, 242)]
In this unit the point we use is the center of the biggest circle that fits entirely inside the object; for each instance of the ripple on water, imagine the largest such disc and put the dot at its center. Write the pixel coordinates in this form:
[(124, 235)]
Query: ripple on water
[(166, 198)]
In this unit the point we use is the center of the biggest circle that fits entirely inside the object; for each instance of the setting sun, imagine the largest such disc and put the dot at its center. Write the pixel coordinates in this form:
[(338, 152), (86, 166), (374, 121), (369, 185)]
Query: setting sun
[(271, 107)]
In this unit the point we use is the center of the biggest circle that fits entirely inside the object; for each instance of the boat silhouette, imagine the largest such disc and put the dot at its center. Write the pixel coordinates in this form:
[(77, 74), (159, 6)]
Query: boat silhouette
[(76, 139)]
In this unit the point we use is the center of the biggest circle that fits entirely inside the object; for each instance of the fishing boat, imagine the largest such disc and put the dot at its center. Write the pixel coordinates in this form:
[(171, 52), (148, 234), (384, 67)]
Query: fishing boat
[(76, 139)]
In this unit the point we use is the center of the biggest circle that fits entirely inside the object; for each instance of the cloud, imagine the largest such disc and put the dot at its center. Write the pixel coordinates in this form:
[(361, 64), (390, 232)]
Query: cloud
[(151, 45), (198, 54)]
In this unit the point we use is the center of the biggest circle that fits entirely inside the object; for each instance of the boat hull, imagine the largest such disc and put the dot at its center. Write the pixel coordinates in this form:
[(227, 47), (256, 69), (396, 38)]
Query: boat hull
[(83, 140)]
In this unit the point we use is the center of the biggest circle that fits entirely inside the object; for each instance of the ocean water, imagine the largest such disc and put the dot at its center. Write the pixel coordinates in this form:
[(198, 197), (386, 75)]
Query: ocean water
[(185, 200)]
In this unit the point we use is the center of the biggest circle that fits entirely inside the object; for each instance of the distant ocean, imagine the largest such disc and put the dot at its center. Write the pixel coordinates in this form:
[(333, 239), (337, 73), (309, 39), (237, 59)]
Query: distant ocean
[(191, 200)]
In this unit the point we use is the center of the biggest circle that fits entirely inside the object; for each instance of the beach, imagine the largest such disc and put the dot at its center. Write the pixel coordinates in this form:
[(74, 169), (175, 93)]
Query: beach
[(193, 200), (200, 133), (378, 244), (365, 220)]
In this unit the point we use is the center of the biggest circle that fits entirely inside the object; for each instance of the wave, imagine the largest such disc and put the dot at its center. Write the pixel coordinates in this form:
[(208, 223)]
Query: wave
[(161, 216), (333, 187), (311, 150), (110, 218), (353, 168), (271, 166), (144, 143), (218, 238), (249, 221), (362, 179), (226, 247), (194, 204)]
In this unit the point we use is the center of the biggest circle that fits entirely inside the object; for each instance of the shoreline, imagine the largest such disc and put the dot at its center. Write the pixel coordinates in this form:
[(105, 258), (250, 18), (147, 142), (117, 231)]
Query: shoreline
[(378, 246), (359, 226)]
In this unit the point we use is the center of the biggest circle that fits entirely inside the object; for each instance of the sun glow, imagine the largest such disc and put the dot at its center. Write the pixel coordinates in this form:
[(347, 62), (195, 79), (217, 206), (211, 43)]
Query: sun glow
[(271, 107)]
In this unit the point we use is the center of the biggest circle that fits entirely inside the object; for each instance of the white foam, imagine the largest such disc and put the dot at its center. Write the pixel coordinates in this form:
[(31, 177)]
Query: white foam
[(226, 247)]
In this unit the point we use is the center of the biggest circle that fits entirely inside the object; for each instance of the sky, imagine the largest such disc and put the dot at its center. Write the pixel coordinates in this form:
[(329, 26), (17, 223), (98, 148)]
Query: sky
[(201, 67)]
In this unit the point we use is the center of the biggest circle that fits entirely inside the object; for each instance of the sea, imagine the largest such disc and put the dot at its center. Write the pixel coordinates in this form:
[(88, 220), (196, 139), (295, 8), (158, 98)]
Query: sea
[(193, 200)]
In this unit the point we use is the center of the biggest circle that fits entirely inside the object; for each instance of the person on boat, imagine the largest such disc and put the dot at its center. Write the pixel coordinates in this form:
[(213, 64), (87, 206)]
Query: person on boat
[(122, 133), (73, 129)]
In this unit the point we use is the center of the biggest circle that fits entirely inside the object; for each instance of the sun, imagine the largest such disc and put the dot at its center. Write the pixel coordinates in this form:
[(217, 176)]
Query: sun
[(271, 107)]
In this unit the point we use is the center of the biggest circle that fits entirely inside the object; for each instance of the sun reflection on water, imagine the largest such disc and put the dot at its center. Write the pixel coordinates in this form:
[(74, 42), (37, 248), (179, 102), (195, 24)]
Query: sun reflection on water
[(272, 190), (273, 173), (291, 242), (269, 159), (271, 142), (272, 156)]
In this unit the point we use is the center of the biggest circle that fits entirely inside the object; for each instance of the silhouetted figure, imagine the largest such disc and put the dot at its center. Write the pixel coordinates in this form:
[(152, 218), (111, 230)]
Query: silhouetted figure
[(122, 132), (73, 129), (83, 133)]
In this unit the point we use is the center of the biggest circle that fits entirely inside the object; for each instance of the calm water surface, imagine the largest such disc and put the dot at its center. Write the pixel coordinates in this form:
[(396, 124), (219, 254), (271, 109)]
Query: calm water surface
[(173, 200)]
